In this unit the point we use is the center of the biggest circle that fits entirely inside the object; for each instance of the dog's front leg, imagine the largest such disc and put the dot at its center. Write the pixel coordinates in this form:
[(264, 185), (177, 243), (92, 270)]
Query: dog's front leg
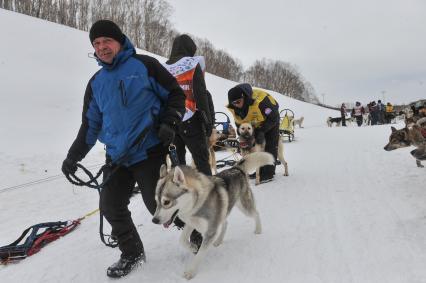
[(192, 268), (219, 239), (419, 164), (184, 237)]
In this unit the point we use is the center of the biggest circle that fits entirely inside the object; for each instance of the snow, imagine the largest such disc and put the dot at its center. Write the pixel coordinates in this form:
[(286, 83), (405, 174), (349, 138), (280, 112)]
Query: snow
[(348, 212)]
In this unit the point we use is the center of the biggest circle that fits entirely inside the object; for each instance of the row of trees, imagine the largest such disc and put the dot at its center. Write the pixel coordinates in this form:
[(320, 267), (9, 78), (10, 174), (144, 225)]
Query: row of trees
[(147, 24)]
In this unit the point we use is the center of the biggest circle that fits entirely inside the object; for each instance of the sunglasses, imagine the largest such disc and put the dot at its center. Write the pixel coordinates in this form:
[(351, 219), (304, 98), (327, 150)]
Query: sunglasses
[(238, 101)]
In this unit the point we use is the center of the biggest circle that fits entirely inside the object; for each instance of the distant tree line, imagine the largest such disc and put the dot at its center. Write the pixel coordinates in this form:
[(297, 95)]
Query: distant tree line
[(146, 23)]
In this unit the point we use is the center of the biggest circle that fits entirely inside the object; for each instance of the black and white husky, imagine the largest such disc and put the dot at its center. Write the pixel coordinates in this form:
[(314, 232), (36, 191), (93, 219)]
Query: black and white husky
[(204, 202)]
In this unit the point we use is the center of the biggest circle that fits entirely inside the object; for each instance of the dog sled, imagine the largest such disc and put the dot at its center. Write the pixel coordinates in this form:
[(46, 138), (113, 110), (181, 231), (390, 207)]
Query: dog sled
[(227, 140), (227, 134), (286, 124)]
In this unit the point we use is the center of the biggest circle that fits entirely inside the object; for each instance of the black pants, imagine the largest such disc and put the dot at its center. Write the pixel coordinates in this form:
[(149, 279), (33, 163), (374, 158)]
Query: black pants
[(343, 120), (115, 198), (359, 120), (193, 135), (271, 145)]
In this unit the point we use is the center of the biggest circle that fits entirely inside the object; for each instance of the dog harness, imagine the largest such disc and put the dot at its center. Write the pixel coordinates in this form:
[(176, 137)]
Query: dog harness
[(35, 240)]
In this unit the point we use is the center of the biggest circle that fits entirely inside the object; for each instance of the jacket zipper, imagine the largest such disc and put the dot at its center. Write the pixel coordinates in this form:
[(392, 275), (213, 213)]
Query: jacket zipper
[(123, 93)]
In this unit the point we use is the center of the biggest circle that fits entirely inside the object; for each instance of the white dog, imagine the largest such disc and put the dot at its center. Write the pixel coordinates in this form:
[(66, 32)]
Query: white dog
[(298, 122)]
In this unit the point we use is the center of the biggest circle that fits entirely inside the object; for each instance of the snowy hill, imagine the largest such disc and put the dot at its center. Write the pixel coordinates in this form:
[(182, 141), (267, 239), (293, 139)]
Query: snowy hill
[(348, 212)]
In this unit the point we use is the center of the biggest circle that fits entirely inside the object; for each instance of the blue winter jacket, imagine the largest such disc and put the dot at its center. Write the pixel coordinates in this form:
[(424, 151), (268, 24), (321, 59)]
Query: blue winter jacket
[(124, 103)]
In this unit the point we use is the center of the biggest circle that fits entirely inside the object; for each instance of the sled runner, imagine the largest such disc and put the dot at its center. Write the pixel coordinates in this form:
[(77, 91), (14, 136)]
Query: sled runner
[(286, 124)]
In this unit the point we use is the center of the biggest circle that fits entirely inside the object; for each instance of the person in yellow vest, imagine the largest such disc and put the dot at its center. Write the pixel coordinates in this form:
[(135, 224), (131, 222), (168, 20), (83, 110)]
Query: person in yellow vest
[(255, 106), (389, 115)]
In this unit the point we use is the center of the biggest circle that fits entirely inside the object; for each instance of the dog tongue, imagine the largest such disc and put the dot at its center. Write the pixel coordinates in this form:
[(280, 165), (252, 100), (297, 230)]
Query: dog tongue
[(167, 224)]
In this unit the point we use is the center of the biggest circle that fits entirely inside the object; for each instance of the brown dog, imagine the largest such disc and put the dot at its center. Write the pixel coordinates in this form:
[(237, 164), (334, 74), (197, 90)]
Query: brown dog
[(409, 136), (248, 145)]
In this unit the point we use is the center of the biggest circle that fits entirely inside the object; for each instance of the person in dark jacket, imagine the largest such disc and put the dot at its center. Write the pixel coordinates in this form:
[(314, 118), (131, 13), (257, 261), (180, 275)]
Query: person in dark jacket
[(343, 114), (197, 122), (255, 106), (134, 106)]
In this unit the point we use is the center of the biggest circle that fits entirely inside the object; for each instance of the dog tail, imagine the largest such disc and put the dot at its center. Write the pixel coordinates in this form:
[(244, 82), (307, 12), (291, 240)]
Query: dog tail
[(254, 160)]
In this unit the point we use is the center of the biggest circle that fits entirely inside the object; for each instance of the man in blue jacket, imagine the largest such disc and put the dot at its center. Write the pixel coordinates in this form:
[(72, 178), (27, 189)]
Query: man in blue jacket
[(133, 106)]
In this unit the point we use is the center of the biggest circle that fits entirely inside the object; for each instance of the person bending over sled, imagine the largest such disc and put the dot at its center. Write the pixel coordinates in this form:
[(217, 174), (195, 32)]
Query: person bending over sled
[(259, 108)]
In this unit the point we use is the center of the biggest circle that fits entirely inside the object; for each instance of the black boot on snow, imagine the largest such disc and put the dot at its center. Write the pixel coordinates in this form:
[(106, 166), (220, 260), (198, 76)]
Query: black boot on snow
[(124, 265)]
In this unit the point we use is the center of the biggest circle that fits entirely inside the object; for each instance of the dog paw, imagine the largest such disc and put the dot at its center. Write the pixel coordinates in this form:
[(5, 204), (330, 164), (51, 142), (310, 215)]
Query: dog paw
[(285, 174), (217, 244), (188, 274), (193, 248), (258, 231)]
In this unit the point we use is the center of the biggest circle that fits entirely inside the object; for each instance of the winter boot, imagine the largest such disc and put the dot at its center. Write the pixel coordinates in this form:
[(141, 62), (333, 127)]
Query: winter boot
[(124, 265)]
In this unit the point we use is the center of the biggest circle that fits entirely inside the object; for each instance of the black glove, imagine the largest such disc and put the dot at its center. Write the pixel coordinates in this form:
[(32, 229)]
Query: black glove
[(69, 166), (166, 134), (260, 137)]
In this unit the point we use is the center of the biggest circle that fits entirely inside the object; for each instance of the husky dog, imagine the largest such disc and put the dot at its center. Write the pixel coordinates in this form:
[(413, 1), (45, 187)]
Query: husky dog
[(204, 202), (336, 120), (298, 122), (366, 119), (211, 143), (409, 136), (214, 137), (248, 145)]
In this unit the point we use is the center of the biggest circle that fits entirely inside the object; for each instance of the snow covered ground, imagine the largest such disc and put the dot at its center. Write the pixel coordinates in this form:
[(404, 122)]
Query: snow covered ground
[(348, 212)]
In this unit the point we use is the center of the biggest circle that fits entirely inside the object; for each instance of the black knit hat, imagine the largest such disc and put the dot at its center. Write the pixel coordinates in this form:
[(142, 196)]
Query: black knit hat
[(235, 94), (108, 29)]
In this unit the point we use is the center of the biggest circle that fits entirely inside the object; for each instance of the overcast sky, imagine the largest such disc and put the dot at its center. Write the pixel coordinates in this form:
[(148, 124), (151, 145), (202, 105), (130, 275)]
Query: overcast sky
[(349, 50)]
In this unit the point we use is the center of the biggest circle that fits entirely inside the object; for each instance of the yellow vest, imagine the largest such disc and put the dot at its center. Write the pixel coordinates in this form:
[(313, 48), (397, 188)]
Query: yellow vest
[(389, 108), (254, 115)]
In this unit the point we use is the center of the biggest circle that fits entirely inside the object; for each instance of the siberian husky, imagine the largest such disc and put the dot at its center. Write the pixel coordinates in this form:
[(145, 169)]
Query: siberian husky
[(335, 120), (204, 202)]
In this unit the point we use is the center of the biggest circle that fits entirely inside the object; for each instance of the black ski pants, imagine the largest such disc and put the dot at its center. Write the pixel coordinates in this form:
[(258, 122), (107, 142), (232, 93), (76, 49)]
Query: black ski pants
[(192, 134), (272, 138), (115, 198)]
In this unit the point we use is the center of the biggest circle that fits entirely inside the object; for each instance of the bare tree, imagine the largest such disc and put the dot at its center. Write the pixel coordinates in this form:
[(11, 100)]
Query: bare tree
[(281, 77)]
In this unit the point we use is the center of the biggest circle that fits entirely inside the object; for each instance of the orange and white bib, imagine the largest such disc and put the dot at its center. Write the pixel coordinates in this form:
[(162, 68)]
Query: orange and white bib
[(183, 70)]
